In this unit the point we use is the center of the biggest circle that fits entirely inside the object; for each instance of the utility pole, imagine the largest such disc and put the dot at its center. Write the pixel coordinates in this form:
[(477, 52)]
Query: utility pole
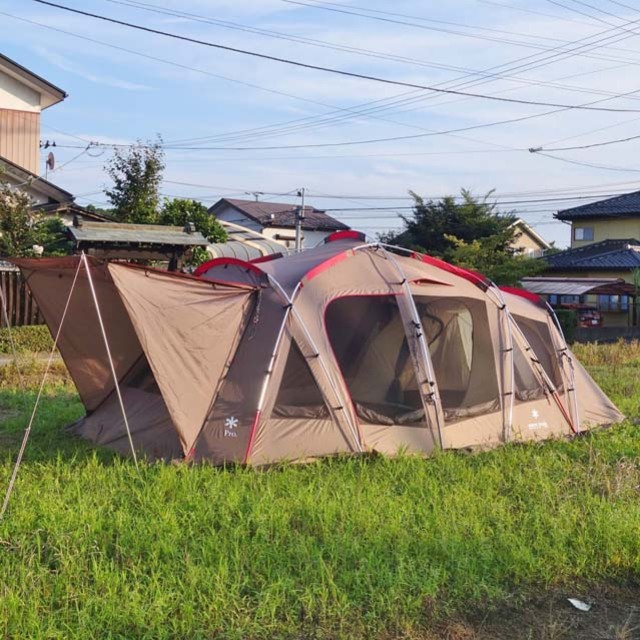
[(299, 220)]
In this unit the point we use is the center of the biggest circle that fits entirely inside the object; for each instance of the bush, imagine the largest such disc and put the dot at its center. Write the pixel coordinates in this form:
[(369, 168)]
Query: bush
[(568, 320), (26, 339)]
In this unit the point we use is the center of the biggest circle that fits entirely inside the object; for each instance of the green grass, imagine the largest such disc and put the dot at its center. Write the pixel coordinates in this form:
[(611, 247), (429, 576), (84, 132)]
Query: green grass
[(346, 548)]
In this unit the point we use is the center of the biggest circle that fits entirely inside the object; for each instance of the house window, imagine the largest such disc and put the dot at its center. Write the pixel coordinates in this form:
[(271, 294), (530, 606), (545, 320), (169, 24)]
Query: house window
[(583, 233), (619, 304)]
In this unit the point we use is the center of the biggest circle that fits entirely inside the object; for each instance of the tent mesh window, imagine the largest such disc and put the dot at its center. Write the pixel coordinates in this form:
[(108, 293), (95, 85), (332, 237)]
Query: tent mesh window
[(462, 353), (368, 338), (528, 384), (299, 395), (539, 338)]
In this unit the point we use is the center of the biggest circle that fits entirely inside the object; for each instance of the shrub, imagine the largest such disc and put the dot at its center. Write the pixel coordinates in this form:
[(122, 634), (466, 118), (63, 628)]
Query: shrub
[(568, 320), (26, 339)]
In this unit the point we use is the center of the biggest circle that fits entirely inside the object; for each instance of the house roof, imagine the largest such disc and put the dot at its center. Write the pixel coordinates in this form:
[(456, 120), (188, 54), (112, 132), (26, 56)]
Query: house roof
[(34, 182), (526, 228), (51, 94), (138, 234), (244, 244), (71, 208), (625, 206), (623, 255), (279, 214)]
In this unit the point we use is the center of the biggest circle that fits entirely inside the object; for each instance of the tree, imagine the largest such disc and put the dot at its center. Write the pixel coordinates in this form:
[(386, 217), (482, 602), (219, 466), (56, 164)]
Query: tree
[(179, 211), (136, 173), (18, 224), (22, 228), (471, 234)]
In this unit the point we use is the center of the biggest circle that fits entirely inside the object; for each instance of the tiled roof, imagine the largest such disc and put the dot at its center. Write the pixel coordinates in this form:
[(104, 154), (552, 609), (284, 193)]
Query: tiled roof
[(606, 255), (626, 205), (278, 214)]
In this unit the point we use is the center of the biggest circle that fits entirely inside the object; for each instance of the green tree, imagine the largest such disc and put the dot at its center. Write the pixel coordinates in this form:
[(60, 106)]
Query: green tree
[(136, 173), (179, 211), (18, 223), (471, 234), (22, 228)]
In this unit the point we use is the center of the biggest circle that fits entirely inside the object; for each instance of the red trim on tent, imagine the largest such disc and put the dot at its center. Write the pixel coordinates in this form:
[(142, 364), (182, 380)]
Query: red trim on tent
[(523, 293), (252, 435), (216, 262), (268, 258), (323, 266), (472, 276), (351, 234)]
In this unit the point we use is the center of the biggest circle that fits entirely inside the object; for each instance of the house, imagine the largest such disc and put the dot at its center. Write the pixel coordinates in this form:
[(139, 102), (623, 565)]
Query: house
[(23, 97), (276, 220), (610, 219), (603, 245), (612, 258), (527, 241)]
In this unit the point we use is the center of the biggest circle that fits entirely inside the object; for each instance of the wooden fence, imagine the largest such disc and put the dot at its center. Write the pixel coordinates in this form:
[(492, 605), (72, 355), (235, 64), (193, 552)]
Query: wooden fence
[(21, 307)]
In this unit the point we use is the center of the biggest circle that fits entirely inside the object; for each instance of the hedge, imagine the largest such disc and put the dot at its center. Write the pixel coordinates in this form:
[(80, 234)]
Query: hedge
[(568, 320), (26, 339)]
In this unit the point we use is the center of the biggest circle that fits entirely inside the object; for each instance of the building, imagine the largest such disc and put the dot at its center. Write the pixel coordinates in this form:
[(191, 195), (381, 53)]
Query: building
[(527, 241), (23, 97), (611, 219), (603, 245), (276, 220)]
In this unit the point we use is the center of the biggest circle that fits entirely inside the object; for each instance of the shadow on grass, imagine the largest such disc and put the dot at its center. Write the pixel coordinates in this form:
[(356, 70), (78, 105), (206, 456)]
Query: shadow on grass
[(50, 438)]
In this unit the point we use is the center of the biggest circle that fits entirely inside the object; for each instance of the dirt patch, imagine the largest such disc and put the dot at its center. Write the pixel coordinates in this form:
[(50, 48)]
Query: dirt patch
[(614, 615)]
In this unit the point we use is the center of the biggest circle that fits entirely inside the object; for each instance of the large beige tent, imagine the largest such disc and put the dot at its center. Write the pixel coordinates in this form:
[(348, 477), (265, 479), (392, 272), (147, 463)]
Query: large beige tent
[(346, 348)]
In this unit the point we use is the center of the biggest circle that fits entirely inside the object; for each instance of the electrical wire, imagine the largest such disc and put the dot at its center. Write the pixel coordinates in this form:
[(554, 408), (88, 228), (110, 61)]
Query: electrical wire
[(331, 70)]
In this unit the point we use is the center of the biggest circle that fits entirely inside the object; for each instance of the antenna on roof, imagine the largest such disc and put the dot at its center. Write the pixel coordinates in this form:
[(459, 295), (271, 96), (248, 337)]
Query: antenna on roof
[(255, 194)]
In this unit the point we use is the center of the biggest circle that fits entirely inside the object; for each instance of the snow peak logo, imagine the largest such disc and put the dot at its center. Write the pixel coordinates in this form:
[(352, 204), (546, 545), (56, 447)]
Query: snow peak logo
[(230, 425), (537, 424)]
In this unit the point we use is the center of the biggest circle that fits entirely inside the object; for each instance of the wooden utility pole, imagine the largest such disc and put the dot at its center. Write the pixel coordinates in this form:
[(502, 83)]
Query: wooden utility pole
[(299, 219)]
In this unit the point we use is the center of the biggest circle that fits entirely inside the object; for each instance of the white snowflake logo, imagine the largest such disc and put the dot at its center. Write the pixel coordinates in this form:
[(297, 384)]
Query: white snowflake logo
[(230, 425), (535, 414)]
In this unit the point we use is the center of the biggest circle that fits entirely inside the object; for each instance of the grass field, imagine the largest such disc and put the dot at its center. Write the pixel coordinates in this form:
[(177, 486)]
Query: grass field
[(352, 548)]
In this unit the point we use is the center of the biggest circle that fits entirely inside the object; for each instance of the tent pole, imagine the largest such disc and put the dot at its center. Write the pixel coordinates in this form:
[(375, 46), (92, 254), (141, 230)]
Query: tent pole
[(430, 374), (27, 431), (571, 391), (354, 432), (111, 364), (510, 388), (265, 384)]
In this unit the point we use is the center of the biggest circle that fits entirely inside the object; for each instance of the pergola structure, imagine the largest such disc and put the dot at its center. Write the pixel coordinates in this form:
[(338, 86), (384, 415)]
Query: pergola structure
[(562, 286), (119, 241)]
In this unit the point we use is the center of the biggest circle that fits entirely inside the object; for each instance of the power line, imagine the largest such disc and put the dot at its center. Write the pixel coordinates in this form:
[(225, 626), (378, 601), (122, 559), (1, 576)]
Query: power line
[(367, 113), (340, 72), (586, 146)]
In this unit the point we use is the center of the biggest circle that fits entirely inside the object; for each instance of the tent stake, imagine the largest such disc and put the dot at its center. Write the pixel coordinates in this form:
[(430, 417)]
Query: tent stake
[(113, 368), (27, 431)]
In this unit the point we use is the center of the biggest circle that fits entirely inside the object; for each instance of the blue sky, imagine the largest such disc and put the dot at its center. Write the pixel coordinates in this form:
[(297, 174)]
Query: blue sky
[(205, 97)]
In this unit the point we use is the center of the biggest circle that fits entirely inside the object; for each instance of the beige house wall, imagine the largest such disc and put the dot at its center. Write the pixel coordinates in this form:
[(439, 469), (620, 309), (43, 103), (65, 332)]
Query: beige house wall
[(20, 138), (606, 229)]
